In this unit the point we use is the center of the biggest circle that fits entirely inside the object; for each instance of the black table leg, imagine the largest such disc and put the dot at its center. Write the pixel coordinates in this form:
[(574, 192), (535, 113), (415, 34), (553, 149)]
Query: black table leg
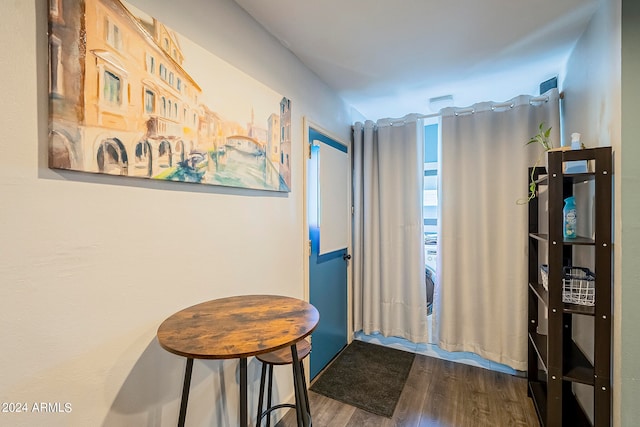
[(243, 392), (185, 392)]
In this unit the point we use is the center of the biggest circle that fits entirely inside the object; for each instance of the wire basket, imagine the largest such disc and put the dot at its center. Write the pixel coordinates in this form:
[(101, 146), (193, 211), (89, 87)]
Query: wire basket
[(544, 273), (578, 286)]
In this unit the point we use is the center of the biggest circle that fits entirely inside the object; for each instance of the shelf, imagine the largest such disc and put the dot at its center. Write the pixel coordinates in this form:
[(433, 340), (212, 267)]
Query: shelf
[(573, 155), (570, 178), (585, 310), (555, 403), (542, 180), (577, 241), (577, 367), (576, 178), (574, 416), (539, 343), (540, 292), (538, 392), (539, 236), (543, 295)]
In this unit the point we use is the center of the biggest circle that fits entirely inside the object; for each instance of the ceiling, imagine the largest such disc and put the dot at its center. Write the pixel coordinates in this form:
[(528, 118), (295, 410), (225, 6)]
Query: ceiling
[(388, 58)]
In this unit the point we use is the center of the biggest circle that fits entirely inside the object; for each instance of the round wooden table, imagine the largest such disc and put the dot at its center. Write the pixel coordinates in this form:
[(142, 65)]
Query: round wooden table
[(236, 328)]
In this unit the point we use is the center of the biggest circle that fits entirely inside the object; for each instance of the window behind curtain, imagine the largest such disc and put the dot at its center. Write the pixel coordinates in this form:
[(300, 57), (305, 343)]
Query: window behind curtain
[(430, 196)]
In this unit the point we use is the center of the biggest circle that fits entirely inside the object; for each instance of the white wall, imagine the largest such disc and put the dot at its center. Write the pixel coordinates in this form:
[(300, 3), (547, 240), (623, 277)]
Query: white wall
[(592, 106), (91, 265)]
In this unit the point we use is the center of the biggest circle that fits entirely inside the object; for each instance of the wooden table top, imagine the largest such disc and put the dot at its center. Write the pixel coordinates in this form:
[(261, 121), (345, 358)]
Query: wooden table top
[(237, 327)]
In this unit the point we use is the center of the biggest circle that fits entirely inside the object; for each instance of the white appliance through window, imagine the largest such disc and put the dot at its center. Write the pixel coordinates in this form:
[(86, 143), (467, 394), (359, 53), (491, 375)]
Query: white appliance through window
[(430, 213)]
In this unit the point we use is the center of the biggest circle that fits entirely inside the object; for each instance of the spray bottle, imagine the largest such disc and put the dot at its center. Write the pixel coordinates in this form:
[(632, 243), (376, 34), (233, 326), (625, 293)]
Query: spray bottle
[(570, 218)]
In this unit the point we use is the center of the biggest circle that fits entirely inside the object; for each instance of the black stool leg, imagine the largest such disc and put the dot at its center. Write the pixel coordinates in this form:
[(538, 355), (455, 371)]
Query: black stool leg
[(269, 394), (303, 413), (262, 380), (306, 393), (298, 386), (243, 392)]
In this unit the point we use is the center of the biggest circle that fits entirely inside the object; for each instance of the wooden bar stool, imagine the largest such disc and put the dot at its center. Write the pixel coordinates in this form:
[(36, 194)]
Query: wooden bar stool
[(280, 357)]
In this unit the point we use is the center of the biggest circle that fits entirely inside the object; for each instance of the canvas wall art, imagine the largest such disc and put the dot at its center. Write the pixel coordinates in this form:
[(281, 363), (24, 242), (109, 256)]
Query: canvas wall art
[(129, 96)]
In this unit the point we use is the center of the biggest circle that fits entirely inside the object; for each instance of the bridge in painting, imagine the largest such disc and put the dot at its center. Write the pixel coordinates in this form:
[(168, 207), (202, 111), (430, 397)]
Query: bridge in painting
[(246, 144)]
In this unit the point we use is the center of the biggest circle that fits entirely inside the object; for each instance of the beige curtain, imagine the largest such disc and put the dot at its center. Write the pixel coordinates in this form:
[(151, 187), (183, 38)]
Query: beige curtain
[(481, 293), (388, 254)]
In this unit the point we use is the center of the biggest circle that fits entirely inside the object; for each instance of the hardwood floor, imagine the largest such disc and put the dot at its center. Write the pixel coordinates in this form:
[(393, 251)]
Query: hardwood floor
[(438, 393)]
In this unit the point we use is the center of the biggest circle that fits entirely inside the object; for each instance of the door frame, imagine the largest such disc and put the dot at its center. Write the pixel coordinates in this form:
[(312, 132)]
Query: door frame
[(306, 124)]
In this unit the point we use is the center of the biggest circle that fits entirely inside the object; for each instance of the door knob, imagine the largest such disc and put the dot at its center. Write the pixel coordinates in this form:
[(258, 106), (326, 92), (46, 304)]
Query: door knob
[(346, 257)]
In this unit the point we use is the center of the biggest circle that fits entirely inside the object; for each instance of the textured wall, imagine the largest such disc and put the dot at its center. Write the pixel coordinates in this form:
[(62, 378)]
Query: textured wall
[(592, 87)]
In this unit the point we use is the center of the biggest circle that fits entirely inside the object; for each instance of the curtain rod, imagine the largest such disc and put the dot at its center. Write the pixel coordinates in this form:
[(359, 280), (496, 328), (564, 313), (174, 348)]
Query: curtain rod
[(497, 105), (419, 116), (428, 116)]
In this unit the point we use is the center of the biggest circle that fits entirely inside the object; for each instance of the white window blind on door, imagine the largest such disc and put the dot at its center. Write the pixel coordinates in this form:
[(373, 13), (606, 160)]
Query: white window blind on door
[(333, 206)]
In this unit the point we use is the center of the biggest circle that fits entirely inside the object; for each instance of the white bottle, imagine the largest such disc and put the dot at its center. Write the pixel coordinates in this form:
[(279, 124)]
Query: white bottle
[(575, 141), (578, 166)]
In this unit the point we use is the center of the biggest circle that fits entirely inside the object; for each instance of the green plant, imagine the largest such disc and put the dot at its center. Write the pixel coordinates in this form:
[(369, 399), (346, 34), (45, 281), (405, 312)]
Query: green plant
[(542, 138)]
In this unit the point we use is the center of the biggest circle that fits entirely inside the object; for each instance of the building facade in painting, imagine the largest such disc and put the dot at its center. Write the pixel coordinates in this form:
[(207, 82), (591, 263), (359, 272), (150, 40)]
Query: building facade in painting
[(122, 103), (66, 94), (136, 108), (285, 138), (273, 146)]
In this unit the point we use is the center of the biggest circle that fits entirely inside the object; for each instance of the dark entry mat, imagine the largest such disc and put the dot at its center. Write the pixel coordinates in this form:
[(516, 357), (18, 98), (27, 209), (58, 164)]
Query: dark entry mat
[(367, 376)]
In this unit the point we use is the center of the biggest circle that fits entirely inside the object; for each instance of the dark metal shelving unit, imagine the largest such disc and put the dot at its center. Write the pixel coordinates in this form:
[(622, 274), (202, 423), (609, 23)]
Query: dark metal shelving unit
[(555, 361)]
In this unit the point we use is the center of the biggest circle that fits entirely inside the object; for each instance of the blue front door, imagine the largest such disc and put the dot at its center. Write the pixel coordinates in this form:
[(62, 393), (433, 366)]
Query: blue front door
[(328, 265)]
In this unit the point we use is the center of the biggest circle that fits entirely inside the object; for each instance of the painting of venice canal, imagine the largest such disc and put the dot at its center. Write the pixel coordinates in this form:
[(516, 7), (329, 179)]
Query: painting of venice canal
[(131, 97)]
